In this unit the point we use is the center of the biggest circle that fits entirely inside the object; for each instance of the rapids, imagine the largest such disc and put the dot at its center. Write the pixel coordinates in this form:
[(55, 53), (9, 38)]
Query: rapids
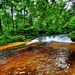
[(45, 55), (57, 38)]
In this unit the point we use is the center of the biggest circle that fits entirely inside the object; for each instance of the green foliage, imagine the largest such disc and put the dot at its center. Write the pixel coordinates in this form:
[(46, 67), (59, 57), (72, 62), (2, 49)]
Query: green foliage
[(72, 22), (34, 18), (18, 38), (72, 34), (4, 39)]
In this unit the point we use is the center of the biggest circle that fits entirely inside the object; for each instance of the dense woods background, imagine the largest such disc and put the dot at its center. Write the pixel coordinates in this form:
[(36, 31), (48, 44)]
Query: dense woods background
[(22, 20)]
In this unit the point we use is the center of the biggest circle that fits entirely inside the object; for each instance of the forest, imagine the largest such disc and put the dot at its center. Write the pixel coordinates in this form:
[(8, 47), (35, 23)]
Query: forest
[(23, 20)]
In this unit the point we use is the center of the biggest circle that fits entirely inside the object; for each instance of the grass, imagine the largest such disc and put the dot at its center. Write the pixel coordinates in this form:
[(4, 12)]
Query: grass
[(5, 39)]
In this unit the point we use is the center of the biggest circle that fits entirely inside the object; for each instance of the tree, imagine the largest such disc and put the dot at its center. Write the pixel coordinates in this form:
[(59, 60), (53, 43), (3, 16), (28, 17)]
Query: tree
[(45, 16), (0, 18)]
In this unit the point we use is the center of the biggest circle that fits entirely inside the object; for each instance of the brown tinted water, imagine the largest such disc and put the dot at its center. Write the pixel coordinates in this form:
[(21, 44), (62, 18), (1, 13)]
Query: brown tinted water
[(39, 59)]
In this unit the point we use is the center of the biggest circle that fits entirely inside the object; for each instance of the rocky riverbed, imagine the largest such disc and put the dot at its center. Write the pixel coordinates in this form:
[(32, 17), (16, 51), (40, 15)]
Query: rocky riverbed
[(40, 58)]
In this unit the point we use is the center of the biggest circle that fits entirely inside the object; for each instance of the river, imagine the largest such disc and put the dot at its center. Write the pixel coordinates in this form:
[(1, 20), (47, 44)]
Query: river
[(44, 55)]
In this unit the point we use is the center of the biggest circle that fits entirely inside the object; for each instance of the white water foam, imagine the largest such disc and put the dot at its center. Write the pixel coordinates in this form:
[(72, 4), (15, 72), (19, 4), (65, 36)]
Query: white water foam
[(57, 38)]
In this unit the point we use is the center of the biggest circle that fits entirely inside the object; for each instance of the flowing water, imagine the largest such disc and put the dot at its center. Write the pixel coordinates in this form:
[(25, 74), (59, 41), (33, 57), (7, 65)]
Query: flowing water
[(57, 38), (51, 56)]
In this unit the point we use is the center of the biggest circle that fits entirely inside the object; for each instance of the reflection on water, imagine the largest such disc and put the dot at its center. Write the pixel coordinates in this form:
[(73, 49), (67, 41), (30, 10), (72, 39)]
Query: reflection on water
[(57, 60), (41, 59)]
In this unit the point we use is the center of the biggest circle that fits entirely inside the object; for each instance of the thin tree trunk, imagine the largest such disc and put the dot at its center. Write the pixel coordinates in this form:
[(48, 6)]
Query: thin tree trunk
[(0, 19), (0, 26), (12, 15), (24, 14)]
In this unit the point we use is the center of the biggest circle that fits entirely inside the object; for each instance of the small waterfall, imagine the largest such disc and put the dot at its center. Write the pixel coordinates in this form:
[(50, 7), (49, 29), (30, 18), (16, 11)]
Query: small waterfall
[(57, 38)]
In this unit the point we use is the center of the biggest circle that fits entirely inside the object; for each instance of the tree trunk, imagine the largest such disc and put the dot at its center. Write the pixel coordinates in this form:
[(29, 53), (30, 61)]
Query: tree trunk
[(0, 26), (0, 19), (24, 14), (12, 15)]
